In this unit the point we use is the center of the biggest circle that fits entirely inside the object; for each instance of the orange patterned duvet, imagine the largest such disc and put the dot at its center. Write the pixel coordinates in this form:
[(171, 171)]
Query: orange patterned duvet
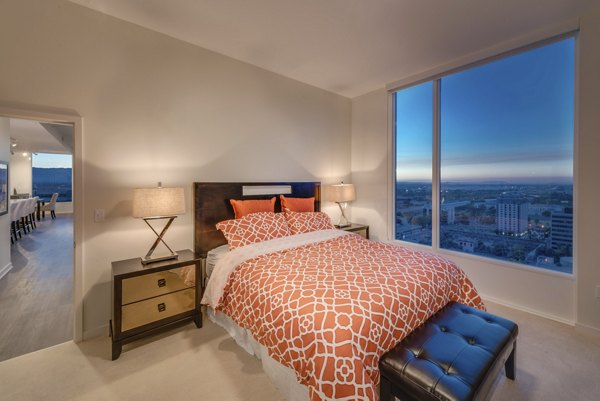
[(329, 310)]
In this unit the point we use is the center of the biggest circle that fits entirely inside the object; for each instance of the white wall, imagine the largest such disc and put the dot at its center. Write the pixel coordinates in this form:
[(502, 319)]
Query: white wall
[(64, 208), (158, 109), (550, 295), (20, 173), (587, 216), (370, 162), (5, 264)]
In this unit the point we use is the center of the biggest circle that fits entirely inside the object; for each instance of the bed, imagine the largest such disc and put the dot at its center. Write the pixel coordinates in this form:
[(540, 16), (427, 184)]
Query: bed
[(318, 308)]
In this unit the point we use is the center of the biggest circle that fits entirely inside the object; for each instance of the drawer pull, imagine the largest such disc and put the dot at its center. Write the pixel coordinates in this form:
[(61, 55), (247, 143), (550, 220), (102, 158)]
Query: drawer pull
[(162, 307), (162, 282)]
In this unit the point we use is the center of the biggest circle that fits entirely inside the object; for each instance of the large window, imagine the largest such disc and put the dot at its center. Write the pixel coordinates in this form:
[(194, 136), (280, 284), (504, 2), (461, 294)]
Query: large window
[(52, 173), (503, 136), (414, 108)]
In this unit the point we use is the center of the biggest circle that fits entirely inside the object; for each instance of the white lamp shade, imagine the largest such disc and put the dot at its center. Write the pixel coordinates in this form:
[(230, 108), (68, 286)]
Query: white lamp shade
[(156, 202), (342, 193)]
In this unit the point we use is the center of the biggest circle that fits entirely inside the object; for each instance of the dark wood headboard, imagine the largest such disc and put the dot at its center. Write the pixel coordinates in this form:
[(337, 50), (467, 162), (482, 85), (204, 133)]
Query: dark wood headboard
[(211, 205)]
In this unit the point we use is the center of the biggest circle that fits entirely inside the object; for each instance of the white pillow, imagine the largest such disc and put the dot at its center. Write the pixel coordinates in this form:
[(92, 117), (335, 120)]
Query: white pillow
[(213, 256)]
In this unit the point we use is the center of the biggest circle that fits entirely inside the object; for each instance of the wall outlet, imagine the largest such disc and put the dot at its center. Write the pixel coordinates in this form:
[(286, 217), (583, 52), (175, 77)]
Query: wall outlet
[(99, 215), (598, 291)]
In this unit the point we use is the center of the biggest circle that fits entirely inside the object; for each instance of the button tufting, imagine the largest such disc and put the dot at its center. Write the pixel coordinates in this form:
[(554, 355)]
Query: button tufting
[(444, 356)]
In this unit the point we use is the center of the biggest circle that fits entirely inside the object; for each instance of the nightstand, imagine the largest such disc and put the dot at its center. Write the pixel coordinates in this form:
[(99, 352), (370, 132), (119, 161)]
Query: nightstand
[(150, 298), (357, 228)]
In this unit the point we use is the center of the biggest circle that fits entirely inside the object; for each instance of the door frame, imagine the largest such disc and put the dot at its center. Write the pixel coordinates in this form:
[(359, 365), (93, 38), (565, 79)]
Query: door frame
[(52, 115)]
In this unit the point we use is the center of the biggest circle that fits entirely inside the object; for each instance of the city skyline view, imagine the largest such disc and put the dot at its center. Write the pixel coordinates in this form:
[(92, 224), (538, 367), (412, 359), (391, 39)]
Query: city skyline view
[(505, 137), (52, 173)]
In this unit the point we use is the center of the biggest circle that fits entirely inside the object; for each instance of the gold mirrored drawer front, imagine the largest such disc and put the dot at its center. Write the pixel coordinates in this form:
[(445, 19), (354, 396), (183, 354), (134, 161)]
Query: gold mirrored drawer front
[(152, 285), (143, 312)]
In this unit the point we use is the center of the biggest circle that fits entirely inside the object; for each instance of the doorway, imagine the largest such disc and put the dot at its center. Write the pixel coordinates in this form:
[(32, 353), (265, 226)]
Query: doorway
[(40, 296)]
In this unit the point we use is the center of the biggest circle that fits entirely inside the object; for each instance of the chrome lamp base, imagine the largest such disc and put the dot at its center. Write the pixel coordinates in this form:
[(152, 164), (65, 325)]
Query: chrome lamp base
[(146, 261), (159, 238), (343, 221)]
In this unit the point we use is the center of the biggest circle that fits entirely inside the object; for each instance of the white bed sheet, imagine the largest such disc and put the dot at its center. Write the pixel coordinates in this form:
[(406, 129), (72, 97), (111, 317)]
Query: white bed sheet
[(282, 377), (213, 256)]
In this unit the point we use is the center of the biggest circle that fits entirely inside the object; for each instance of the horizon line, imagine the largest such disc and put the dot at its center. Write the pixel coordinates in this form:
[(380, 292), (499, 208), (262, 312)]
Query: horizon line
[(512, 181)]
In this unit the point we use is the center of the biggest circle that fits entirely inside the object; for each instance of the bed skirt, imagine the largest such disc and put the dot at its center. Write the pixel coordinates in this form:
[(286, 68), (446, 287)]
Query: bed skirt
[(282, 377)]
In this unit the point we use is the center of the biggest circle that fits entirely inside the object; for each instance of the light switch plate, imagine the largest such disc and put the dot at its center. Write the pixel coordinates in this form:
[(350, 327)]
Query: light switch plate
[(99, 215), (598, 291)]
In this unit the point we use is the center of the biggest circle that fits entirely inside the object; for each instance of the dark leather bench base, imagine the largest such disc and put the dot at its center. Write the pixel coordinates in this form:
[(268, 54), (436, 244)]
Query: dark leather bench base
[(456, 355)]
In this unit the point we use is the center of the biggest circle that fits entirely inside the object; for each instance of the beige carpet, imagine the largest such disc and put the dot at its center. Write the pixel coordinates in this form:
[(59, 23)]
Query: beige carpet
[(553, 363)]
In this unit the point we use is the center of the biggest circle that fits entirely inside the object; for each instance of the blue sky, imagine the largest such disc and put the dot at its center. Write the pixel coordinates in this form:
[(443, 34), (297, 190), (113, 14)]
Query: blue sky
[(511, 119), (414, 125), (48, 160)]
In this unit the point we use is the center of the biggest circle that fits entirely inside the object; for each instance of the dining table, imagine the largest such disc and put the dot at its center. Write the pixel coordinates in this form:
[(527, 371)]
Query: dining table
[(12, 203)]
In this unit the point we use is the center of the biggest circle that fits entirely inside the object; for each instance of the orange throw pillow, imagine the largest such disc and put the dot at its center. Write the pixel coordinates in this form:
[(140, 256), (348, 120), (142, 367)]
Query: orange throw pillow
[(245, 207), (297, 204)]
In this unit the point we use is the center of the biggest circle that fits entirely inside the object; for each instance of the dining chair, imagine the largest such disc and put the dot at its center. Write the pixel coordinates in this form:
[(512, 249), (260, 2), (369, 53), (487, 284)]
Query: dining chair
[(30, 213), (51, 206), (15, 218), (23, 212)]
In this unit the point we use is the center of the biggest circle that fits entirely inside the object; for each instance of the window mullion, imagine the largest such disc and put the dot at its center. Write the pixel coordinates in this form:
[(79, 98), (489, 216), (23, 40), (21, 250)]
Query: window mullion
[(435, 161)]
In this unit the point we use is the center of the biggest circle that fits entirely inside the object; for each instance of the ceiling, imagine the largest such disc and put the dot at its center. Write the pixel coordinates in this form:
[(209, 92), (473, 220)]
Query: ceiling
[(33, 137), (349, 47)]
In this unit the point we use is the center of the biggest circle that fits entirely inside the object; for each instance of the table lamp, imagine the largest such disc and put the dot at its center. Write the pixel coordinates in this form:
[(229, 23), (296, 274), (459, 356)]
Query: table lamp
[(157, 204), (342, 194)]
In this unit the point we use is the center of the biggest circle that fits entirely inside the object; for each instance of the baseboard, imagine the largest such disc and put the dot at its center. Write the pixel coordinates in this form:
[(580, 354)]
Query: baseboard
[(4, 271), (99, 331), (584, 328), (528, 310)]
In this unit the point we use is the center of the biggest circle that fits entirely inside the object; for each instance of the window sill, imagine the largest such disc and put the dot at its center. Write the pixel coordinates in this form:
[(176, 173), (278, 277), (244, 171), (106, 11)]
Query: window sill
[(482, 259)]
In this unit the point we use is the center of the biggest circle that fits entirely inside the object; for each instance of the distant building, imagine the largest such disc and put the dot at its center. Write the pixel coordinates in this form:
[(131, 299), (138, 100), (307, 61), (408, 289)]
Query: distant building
[(490, 203), (512, 214), (567, 262), (450, 214), (467, 245), (539, 208), (545, 261), (448, 210), (561, 231), (403, 201)]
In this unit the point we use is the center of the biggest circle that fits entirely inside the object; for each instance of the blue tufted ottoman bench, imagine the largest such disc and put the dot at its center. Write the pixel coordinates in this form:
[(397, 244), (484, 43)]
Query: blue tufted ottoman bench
[(456, 355)]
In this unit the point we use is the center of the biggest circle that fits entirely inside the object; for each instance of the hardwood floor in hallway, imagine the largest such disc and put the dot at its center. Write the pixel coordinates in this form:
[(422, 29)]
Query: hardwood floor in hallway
[(36, 295)]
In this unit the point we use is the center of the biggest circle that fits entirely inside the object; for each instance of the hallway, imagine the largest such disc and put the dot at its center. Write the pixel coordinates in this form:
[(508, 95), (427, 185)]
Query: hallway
[(36, 295)]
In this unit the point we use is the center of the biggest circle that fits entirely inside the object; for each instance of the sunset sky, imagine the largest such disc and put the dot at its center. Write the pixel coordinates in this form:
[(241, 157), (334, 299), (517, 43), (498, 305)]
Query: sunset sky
[(49, 160), (509, 120)]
